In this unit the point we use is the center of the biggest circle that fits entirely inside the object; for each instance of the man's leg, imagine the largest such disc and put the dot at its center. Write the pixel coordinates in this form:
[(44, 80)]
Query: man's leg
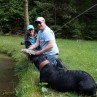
[(60, 64), (52, 59), (56, 61)]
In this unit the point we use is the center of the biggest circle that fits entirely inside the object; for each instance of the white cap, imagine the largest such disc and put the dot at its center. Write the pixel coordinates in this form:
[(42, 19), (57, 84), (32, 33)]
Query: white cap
[(40, 19)]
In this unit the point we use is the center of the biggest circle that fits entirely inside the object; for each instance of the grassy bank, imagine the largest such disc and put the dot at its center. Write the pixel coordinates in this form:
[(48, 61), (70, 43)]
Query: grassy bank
[(76, 55)]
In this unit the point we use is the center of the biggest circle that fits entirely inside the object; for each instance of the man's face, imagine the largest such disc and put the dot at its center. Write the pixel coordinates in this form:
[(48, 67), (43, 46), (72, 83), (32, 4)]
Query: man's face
[(40, 24)]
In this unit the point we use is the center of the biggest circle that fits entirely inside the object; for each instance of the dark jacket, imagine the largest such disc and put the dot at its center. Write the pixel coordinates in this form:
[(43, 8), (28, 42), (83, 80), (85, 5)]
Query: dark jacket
[(27, 41)]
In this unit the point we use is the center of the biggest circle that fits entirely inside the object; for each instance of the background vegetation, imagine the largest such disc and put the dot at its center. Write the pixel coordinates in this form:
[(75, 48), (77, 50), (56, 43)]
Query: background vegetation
[(56, 12), (76, 55)]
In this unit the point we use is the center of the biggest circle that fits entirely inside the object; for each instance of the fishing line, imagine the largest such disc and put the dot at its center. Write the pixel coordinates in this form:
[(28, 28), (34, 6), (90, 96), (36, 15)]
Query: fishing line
[(76, 17)]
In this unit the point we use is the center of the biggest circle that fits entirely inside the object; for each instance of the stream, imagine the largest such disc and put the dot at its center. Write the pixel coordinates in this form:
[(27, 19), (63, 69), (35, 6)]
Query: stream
[(7, 79)]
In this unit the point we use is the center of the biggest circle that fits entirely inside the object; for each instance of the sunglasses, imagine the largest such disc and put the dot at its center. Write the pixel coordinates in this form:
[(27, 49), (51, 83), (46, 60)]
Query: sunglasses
[(37, 22), (30, 29)]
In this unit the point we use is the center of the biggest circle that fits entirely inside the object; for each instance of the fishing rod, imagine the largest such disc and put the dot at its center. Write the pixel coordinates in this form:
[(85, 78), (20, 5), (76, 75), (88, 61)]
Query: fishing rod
[(76, 17)]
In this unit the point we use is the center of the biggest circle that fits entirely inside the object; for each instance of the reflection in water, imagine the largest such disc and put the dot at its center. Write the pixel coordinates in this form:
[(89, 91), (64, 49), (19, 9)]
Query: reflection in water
[(7, 83)]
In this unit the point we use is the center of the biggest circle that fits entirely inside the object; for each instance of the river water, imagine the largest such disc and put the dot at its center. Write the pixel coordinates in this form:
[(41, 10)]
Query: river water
[(7, 80)]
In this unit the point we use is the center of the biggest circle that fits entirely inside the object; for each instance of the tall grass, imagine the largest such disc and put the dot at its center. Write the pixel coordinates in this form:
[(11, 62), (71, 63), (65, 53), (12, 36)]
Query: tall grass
[(76, 55)]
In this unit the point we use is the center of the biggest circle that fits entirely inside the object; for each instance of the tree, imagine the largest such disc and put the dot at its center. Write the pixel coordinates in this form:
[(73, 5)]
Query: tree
[(57, 14), (11, 16), (26, 16)]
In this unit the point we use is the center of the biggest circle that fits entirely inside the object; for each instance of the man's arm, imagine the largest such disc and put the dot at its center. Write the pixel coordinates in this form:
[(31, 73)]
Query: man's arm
[(35, 45), (48, 47)]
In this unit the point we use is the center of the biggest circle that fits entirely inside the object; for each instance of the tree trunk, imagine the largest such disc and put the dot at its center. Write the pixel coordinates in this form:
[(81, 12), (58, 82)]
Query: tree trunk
[(26, 16)]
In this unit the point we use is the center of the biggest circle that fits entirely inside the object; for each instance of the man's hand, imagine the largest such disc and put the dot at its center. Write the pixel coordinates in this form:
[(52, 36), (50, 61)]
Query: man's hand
[(38, 53)]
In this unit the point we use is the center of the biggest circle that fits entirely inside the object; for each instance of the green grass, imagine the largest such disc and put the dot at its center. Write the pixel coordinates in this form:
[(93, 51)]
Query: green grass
[(79, 55), (76, 55)]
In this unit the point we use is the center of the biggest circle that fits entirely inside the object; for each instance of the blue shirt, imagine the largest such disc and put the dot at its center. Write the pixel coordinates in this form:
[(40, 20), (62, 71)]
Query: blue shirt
[(47, 35), (32, 40)]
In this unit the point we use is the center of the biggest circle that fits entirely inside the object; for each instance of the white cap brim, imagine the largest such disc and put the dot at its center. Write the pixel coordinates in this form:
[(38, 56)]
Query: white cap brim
[(40, 19)]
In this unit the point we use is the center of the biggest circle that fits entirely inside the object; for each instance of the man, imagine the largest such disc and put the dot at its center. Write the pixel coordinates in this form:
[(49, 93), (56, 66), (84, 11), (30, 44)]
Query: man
[(46, 40)]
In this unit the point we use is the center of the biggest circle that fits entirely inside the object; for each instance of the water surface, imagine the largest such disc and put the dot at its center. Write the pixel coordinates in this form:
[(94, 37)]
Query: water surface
[(7, 80)]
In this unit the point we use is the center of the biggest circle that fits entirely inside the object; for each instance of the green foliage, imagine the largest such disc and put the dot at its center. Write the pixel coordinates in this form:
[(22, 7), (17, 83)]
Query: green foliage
[(11, 16), (57, 13), (54, 28), (87, 18), (77, 29)]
